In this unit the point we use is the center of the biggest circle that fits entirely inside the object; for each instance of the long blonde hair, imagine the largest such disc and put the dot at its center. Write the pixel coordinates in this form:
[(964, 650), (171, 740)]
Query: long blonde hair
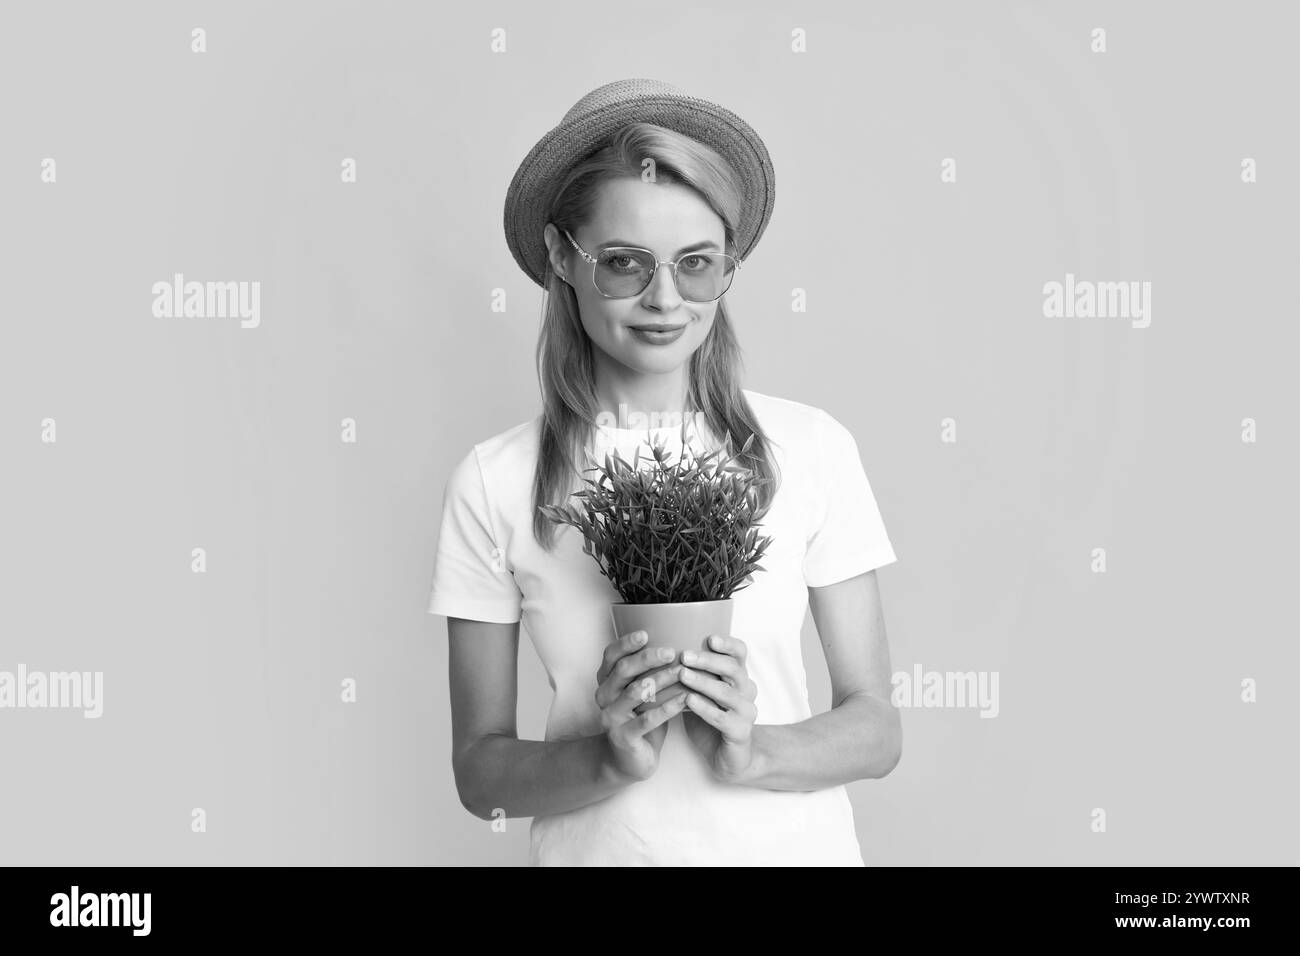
[(565, 368)]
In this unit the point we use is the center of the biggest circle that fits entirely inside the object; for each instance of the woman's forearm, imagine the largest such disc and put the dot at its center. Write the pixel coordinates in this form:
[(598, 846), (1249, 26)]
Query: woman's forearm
[(529, 778), (862, 737)]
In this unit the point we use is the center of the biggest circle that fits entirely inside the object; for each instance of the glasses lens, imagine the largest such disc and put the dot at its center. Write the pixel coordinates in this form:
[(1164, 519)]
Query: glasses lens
[(701, 276), (623, 272), (704, 276)]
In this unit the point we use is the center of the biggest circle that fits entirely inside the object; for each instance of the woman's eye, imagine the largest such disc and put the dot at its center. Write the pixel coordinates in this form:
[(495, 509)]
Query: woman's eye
[(622, 263), (696, 263)]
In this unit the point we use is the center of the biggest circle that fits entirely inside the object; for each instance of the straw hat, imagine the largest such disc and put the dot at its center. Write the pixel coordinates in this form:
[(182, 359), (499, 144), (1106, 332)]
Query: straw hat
[(591, 123)]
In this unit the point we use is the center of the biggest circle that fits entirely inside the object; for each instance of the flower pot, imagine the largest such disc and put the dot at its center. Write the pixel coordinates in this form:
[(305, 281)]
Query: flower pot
[(683, 626)]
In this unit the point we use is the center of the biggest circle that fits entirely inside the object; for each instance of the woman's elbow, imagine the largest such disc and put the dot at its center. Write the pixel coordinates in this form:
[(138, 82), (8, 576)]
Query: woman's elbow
[(892, 754), (470, 800), (469, 785), (886, 748)]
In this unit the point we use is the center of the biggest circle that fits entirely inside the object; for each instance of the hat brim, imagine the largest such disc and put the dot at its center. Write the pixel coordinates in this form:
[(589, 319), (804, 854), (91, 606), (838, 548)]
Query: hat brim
[(532, 190)]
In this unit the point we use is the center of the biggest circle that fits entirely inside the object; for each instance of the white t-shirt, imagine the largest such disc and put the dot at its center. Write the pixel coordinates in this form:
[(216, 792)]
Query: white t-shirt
[(825, 527)]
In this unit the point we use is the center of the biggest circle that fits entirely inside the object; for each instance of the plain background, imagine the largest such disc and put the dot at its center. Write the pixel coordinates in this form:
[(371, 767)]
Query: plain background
[(1119, 691)]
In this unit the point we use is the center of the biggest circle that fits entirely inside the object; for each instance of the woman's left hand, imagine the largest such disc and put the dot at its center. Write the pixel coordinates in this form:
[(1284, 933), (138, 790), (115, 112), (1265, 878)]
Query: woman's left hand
[(720, 711)]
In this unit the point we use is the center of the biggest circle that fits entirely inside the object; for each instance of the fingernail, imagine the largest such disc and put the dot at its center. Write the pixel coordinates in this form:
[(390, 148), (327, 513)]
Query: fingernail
[(665, 653), (639, 637), (688, 657)]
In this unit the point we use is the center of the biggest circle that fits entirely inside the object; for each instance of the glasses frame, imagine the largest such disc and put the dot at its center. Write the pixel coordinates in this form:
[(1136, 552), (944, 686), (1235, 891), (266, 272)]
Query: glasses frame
[(655, 271)]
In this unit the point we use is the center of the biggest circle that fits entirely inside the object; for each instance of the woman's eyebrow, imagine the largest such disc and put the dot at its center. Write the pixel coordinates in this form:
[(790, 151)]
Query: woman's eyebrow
[(693, 247)]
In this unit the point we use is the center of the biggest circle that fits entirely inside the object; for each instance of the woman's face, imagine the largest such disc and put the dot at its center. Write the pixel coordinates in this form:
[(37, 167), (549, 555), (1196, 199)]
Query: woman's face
[(669, 220)]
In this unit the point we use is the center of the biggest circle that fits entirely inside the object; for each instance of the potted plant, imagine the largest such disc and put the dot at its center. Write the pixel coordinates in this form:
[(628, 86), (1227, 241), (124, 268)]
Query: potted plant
[(677, 539)]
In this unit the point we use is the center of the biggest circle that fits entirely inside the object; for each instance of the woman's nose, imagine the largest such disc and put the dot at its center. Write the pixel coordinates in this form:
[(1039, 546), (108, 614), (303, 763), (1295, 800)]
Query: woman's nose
[(662, 293)]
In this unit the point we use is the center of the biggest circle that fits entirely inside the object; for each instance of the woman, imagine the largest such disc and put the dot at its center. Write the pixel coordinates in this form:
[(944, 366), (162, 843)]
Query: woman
[(633, 214)]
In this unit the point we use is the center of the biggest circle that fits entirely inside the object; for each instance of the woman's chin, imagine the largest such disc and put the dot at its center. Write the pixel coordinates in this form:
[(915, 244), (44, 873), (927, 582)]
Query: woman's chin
[(658, 364)]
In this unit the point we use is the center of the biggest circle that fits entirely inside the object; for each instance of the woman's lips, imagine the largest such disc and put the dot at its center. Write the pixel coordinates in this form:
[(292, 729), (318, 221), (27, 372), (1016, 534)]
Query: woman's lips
[(652, 335)]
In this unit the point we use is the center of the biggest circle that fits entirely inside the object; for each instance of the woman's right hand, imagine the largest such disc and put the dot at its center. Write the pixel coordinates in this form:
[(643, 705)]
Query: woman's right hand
[(630, 674)]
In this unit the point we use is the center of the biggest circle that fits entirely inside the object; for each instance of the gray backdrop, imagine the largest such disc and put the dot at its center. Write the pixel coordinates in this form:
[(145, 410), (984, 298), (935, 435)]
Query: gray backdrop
[(1119, 690)]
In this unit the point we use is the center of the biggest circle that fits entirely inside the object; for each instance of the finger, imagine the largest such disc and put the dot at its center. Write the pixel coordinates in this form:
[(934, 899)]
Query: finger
[(650, 687), (662, 695), (625, 644), (725, 722), (646, 690), (632, 666), (726, 644), (627, 669), (719, 692), (723, 665), (655, 716)]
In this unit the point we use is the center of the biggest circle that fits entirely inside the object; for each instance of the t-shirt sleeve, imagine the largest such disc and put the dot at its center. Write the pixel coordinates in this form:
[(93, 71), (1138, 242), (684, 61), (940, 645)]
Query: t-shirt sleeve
[(471, 577), (849, 537)]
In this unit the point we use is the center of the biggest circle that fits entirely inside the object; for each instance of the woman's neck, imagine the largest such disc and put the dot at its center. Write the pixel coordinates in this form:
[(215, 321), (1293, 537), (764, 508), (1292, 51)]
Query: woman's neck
[(644, 396)]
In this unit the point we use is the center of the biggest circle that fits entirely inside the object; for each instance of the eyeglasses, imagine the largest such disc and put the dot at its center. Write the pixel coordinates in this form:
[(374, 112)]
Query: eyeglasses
[(621, 272)]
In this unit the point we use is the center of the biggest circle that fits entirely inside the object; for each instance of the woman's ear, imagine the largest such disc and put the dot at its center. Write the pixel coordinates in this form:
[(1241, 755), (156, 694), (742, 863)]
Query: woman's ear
[(555, 251)]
